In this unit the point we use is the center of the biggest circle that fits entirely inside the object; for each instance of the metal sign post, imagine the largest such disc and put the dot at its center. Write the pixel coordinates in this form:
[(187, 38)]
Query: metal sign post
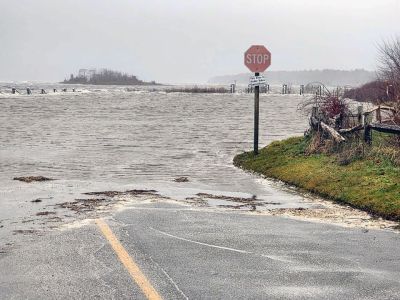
[(256, 115), (257, 58)]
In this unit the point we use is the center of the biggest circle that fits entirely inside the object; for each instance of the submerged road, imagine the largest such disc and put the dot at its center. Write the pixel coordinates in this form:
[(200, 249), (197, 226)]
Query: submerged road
[(170, 251), (113, 139)]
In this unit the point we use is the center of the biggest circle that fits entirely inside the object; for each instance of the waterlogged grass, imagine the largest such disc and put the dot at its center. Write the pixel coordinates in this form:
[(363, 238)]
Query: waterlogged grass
[(371, 183)]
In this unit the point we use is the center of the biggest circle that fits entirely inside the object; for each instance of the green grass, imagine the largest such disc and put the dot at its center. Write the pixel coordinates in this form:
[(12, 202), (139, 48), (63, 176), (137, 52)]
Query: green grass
[(371, 183)]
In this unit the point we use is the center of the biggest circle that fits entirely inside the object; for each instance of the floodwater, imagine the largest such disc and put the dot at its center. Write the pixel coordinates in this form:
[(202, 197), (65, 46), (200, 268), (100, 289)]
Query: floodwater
[(109, 138)]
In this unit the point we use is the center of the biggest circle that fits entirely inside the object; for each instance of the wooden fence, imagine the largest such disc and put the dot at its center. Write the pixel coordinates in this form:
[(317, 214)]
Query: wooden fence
[(343, 125)]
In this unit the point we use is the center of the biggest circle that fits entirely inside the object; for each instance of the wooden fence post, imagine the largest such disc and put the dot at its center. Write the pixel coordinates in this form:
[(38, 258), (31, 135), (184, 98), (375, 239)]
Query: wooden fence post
[(367, 128), (314, 111), (360, 114), (378, 114)]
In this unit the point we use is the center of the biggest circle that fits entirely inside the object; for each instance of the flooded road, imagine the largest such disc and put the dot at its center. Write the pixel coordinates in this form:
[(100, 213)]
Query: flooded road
[(152, 174), (105, 138)]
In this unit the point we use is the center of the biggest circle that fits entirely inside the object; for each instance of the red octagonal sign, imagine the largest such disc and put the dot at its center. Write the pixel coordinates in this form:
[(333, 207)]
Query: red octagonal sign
[(257, 58)]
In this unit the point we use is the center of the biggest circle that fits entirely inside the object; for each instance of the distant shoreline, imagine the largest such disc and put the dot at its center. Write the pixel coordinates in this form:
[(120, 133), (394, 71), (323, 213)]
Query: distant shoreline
[(114, 83), (329, 77)]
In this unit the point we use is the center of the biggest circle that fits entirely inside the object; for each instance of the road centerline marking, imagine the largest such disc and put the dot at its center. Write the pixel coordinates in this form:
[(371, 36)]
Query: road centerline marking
[(128, 262)]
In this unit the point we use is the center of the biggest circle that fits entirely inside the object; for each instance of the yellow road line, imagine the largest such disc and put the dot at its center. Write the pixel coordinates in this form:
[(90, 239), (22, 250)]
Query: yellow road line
[(128, 262)]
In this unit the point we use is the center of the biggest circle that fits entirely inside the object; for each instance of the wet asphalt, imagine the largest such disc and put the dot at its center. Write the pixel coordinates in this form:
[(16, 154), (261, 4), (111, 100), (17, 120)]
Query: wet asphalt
[(189, 253)]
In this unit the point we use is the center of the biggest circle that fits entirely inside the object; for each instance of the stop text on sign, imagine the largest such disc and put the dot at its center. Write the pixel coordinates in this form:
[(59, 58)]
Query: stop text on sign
[(257, 58)]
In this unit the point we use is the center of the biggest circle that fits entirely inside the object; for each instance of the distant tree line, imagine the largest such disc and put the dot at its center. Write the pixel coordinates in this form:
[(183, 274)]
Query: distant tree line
[(375, 91), (386, 87), (389, 67), (107, 77)]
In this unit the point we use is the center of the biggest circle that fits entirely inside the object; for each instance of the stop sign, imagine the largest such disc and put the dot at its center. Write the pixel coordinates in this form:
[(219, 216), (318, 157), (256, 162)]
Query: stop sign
[(257, 58)]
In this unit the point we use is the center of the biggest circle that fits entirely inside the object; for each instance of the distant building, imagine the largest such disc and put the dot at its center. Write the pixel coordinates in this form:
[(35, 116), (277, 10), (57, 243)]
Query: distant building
[(82, 72), (90, 73), (87, 73)]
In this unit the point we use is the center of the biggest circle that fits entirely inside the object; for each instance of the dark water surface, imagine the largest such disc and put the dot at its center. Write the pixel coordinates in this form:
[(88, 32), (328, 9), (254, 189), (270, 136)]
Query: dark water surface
[(108, 138)]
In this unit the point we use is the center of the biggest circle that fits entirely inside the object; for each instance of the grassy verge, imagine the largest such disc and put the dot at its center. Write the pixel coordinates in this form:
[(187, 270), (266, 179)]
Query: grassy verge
[(371, 183)]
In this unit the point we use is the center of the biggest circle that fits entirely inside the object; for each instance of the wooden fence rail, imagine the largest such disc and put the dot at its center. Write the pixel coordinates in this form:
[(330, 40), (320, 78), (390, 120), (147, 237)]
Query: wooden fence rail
[(363, 122), (386, 128)]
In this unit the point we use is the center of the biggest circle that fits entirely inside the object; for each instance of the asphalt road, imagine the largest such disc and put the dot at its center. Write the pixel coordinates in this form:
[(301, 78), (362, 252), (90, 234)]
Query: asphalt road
[(185, 252)]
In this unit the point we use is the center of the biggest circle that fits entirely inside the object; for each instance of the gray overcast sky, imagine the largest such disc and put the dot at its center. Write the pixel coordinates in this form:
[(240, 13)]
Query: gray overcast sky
[(187, 40)]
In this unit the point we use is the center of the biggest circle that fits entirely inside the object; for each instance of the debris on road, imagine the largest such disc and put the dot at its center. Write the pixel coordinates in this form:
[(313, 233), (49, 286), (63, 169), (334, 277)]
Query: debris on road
[(83, 205), (197, 201), (333, 213), (29, 179), (24, 231), (181, 179), (118, 193), (27, 221), (45, 213), (223, 201), (87, 205)]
